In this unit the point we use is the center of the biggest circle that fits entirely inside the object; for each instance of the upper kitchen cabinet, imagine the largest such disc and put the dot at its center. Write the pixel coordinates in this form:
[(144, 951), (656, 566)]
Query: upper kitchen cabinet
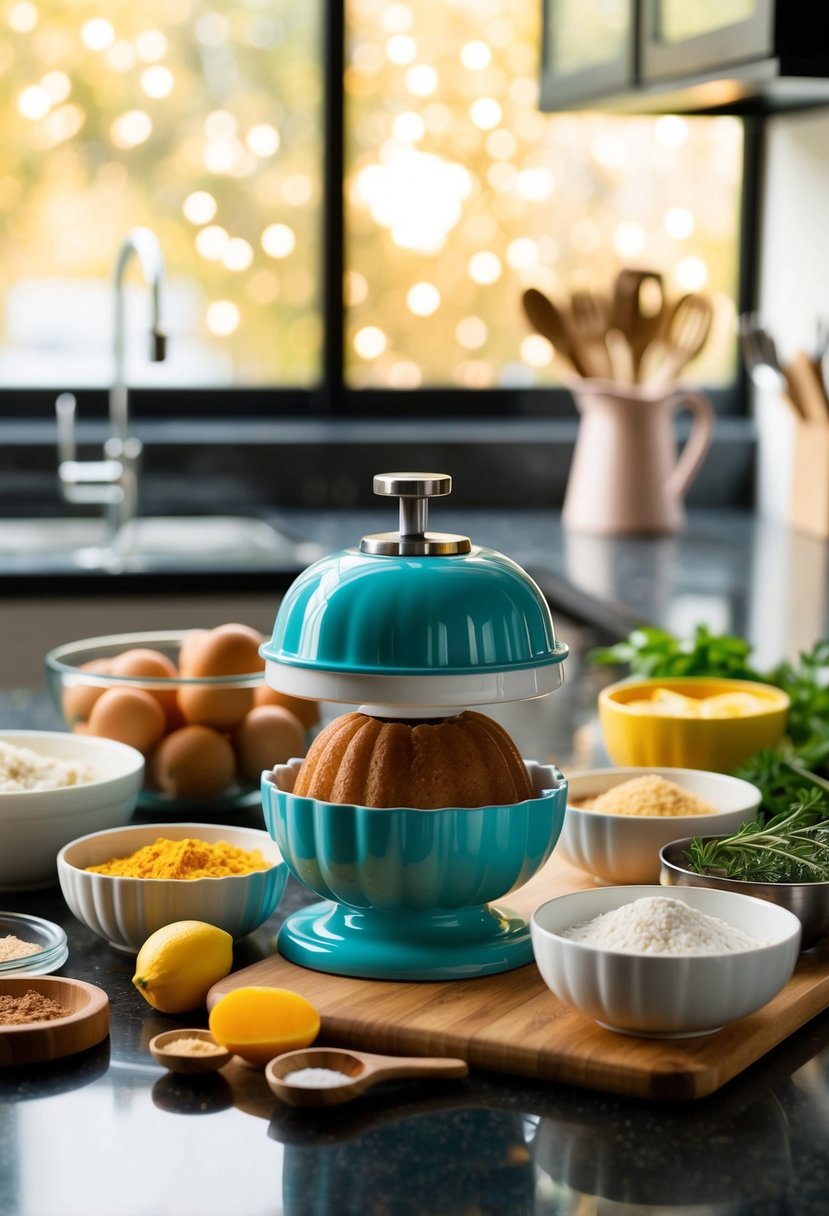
[(588, 50), (682, 39), (640, 56)]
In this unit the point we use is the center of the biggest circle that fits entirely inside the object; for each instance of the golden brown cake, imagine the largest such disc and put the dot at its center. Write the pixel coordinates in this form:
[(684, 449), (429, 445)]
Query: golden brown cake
[(465, 761)]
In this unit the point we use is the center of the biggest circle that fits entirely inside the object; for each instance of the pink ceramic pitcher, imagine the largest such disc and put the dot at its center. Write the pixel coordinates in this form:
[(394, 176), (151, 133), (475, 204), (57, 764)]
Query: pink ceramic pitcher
[(626, 475)]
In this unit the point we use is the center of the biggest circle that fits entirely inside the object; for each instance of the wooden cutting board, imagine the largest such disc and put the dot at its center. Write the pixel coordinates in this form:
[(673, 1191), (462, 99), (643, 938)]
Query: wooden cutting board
[(512, 1022)]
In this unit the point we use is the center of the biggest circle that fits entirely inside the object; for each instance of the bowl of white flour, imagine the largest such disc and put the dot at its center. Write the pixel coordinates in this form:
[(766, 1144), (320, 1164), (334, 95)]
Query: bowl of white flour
[(644, 961)]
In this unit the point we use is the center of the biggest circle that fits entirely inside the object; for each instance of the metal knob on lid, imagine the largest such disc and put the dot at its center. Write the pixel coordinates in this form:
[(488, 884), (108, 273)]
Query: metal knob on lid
[(413, 540)]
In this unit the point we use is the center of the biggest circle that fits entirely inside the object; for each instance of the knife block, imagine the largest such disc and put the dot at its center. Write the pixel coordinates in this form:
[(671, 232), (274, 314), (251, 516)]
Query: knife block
[(809, 506)]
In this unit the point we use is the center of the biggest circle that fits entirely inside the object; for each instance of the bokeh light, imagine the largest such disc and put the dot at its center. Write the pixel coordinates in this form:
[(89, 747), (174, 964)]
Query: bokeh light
[(223, 318), (278, 240), (199, 207), (97, 34)]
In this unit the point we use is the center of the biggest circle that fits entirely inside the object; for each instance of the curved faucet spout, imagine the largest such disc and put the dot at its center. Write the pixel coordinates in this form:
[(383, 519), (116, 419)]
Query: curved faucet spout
[(143, 244)]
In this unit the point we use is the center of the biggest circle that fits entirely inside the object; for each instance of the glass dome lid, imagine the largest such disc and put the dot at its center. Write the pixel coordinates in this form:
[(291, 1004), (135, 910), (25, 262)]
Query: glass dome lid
[(414, 619)]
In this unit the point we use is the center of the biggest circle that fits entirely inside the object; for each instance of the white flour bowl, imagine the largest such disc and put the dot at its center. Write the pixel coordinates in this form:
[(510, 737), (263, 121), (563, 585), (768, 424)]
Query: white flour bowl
[(665, 995)]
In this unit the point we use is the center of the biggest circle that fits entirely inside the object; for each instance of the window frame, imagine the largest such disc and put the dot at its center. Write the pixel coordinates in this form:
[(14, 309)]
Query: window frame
[(332, 398)]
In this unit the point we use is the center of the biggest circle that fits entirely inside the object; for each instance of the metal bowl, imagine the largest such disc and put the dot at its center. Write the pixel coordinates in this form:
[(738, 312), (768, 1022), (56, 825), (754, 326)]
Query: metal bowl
[(808, 900)]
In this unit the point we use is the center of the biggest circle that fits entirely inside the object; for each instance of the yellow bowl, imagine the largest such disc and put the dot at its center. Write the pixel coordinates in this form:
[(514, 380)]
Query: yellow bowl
[(635, 736)]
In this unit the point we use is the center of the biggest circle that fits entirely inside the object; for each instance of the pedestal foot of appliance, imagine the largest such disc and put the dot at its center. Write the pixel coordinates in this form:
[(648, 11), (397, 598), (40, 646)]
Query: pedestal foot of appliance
[(370, 944)]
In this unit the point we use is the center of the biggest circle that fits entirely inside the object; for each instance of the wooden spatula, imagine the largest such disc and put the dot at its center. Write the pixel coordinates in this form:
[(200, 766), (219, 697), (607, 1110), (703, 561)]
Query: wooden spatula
[(638, 310), (551, 323)]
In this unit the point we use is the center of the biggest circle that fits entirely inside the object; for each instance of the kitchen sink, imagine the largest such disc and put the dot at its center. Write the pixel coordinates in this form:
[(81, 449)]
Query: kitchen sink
[(150, 543)]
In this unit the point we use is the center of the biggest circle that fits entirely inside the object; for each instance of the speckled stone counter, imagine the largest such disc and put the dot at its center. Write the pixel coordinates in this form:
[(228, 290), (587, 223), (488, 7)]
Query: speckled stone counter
[(729, 568), (110, 1132)]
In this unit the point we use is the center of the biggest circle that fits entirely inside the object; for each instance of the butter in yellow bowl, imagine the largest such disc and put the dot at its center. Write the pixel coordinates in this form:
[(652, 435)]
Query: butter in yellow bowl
[(690, 722)]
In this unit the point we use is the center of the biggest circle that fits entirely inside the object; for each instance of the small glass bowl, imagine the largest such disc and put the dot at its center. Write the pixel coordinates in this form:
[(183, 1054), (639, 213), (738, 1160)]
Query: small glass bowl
[(51, 939), (67, 673)]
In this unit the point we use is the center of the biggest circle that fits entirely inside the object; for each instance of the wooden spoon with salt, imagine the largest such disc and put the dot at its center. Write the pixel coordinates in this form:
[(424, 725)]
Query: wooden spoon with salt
[(359, 1069)]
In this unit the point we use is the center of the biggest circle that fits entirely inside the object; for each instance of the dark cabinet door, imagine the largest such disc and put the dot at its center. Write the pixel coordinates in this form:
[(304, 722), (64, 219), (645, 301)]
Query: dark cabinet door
[(588, 50), (680, 38)]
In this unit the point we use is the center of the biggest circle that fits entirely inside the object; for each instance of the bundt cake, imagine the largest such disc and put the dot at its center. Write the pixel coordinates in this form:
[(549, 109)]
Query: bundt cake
[(464, 761)]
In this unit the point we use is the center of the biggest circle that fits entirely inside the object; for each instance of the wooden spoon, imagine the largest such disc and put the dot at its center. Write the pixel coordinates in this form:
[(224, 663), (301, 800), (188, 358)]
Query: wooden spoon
[(163, 1050), (638, 310), (550, 322), (360, 1070)]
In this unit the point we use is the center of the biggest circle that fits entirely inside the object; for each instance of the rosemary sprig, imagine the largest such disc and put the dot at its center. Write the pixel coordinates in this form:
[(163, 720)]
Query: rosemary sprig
[(792, 846)]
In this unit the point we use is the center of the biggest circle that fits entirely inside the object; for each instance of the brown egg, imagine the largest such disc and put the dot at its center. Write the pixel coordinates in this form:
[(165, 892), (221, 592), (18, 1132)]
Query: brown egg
[(77, 699), (308, 712), (213, 705), (129, 715), (268, 735), (189, 646), (142, 661), (227, 650), (193, 762)]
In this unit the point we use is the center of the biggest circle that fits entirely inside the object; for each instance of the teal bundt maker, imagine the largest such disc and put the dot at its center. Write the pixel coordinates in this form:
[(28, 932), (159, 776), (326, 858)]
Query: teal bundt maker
[(412, 624)]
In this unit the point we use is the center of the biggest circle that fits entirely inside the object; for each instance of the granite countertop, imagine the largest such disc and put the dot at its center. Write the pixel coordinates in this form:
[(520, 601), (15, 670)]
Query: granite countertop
[(110, 1131), (729, 568)]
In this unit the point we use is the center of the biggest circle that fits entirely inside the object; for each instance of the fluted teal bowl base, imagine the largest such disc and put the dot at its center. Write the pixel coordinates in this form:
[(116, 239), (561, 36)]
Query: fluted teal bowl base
[(366, 944)]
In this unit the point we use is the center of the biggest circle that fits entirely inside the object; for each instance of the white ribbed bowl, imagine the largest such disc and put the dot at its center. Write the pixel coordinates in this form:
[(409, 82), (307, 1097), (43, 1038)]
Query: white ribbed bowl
[(665, 996), (35, 824), (126, 911), (625, 848)]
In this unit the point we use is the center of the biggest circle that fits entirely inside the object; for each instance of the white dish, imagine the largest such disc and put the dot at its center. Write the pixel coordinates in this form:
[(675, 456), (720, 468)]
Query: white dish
[(125, 911), (35, 824), (660, 995), (625, 848)]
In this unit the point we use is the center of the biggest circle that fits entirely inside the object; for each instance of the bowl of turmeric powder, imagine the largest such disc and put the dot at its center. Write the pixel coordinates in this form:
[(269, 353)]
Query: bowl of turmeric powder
[(618, 819), (126, 883)]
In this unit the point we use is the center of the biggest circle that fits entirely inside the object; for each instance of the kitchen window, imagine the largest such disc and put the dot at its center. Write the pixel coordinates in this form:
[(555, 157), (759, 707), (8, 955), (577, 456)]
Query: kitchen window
[(421, 183)]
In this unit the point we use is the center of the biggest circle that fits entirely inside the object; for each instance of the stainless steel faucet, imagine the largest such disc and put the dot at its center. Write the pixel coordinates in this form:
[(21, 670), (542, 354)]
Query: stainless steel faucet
[(113, 481)]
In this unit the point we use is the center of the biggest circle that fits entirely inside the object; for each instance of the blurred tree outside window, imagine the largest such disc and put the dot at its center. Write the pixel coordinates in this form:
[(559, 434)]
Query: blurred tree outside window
[(205, 122), (460, 194), (201, 121)]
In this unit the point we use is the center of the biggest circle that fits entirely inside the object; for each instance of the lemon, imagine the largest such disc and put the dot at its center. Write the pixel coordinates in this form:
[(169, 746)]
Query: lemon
[(180, 962)]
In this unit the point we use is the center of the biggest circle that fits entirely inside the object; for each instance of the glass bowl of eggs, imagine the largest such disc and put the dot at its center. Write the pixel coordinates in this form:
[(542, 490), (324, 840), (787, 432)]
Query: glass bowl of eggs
[(193, 702)]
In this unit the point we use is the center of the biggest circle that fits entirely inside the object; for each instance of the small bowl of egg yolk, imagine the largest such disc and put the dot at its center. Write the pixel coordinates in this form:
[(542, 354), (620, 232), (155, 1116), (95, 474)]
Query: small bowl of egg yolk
[(690, 722), (193, 702)]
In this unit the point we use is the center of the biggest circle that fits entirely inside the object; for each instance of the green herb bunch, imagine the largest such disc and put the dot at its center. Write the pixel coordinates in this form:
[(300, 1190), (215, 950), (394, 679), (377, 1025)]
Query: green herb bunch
[(656, 652), (792, 846)]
